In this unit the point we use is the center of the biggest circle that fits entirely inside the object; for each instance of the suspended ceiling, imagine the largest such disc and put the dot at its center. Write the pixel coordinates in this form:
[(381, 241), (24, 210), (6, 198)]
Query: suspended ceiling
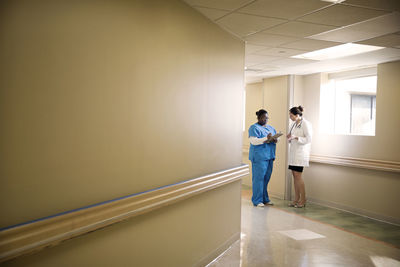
[(276, 30)]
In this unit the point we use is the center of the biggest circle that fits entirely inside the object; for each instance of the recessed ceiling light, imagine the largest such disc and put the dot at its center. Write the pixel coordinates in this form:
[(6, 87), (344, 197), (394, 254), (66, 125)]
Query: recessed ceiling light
[(333, 1), (338, 51)]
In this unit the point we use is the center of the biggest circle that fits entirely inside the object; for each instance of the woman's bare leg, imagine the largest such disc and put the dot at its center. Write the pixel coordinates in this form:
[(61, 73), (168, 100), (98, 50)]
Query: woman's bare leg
[(296, 188), (301, 187)]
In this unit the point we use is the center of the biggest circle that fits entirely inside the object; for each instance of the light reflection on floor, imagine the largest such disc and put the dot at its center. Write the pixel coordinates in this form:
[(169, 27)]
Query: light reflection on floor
[(272, 237), (301, 234), (384, 262)]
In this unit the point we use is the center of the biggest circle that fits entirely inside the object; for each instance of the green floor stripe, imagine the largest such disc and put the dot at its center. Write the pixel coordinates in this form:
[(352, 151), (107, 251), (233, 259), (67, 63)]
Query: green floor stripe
[(357, 224)]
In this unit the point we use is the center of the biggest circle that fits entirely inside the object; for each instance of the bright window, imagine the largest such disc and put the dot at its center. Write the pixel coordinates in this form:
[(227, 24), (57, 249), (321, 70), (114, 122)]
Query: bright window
[(348, 106)]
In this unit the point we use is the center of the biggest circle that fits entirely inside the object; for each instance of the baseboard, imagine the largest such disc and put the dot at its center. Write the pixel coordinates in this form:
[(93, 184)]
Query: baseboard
[(276, 195), (270, 193), (357, 211), (219, 251), (246, 186)]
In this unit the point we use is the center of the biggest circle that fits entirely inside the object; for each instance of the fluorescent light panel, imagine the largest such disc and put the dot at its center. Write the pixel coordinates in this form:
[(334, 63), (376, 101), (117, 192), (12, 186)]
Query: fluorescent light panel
[(338, 51), (333, 1)]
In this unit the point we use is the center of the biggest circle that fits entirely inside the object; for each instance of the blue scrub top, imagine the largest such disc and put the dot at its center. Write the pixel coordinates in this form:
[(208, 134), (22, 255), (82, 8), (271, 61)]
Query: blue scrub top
[(264, 151)]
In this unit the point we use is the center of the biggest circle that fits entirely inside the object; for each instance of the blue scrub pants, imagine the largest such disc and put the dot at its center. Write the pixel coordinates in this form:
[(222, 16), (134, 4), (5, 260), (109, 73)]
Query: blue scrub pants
[(261, 175)]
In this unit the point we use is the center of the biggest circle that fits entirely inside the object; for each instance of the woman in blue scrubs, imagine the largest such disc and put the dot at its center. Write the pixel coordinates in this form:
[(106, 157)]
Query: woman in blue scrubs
[(262, 156)]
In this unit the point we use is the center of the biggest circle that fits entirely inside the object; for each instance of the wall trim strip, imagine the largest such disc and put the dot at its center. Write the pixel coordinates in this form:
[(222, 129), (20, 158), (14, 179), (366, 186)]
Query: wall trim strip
[(357, 211), (372, 164), (389, 166), (219, 252), (33, 236)]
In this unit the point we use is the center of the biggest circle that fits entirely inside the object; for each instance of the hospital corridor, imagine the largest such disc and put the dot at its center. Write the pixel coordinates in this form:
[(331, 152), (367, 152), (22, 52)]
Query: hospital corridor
[(179, 133)]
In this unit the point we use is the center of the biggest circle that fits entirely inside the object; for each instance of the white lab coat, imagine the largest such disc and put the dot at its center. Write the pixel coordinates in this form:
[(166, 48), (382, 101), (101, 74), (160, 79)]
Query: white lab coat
[(299, 150)]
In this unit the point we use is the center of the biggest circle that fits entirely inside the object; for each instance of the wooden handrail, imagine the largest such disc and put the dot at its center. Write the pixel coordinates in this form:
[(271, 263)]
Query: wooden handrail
[(33, 236), (373, 164)]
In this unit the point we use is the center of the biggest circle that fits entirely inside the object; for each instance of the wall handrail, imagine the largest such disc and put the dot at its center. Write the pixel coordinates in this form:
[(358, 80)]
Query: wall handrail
[(372, 164), (35, 235)]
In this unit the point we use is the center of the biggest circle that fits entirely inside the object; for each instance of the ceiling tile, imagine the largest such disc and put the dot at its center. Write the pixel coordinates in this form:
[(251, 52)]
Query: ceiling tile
[(252, 60), (341, 15), (243, 24), (269, 39), (390, 40), (212, 13), (286, 9), (252, 71), (379, 4), (250, 48), (280, 52), (218, 4), (347, 35), (372, 28), (299, 29), (310, 45), (288, 62), (355, 61), (264, 67)]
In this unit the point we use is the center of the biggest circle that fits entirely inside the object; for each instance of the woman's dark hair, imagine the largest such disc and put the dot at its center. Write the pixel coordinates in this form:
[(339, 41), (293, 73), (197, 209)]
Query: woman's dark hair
[(297, 110), (261, 112)]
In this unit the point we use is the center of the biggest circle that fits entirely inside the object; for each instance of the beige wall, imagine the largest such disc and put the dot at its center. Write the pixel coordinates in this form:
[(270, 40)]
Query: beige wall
[(276, 103), (104, 99), (298, 91), (272, 95), (254, 102), (177, 235), (365, 191), (297, 99), (371, 147)]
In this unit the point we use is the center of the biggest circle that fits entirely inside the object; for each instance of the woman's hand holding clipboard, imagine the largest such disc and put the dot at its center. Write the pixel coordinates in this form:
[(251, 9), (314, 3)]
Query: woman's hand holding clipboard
[(273, 138)]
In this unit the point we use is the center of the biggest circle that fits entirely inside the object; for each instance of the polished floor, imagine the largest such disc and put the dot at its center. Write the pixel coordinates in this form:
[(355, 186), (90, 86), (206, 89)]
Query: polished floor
[(364, 226), (315, 236)]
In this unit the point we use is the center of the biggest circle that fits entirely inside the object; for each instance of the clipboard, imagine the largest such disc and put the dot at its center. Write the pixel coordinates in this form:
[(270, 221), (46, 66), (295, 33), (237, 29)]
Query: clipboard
[(274, 137)]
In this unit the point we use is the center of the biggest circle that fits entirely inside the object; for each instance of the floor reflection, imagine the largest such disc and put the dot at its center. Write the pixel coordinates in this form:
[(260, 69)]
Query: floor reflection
[(273, 237)]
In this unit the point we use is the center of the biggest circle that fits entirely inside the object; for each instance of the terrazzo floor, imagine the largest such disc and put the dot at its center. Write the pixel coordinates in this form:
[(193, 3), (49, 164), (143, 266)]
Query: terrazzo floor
[(315, 236)]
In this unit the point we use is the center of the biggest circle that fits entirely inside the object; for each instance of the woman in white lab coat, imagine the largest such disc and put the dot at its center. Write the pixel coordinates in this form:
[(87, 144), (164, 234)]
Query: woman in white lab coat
[(299, 137)]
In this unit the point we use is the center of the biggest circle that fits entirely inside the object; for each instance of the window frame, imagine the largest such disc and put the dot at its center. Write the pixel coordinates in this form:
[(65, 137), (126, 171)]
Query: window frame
[(331, 127)]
